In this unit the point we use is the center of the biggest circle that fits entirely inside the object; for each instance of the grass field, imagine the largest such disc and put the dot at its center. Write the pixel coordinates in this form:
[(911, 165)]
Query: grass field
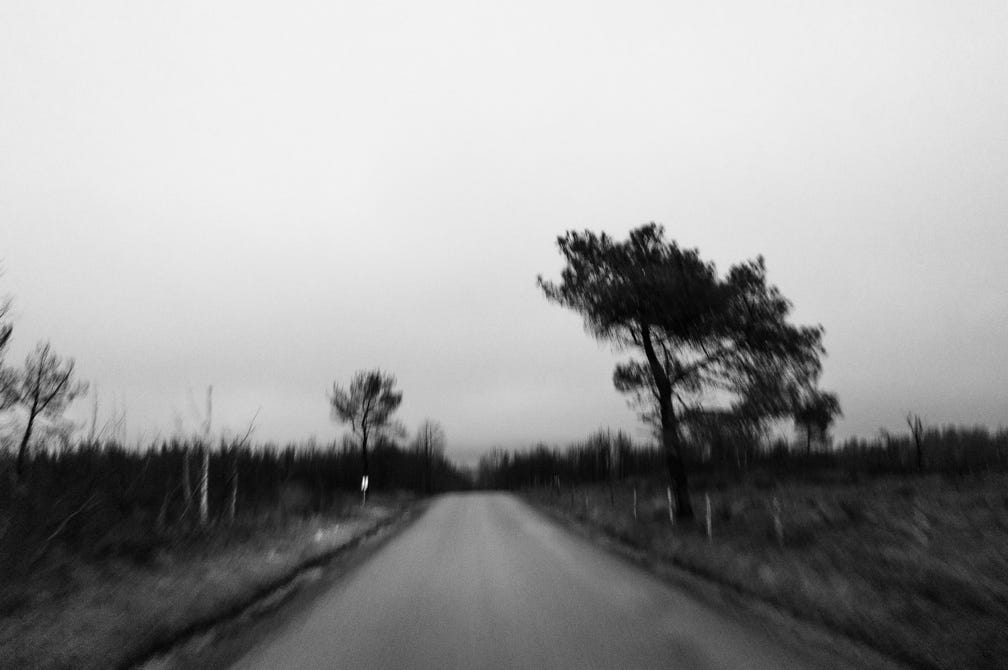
[(915, 567), (78, 614)]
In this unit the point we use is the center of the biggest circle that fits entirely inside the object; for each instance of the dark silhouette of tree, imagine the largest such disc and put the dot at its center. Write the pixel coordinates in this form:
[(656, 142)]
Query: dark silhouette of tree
[(367, 405), (44, 387), (429, 445), (699, 333), (815, 413)]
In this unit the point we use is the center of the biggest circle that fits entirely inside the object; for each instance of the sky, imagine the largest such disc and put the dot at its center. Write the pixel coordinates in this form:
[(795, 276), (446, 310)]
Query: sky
[(268, 196)]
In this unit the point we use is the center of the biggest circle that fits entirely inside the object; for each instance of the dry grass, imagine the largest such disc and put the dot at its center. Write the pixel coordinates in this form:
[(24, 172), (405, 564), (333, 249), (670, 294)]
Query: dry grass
[(917, 568), (84, 615)]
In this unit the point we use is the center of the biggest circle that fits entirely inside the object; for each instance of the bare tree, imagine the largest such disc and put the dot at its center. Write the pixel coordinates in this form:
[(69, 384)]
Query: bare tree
[(429, 444), (7, 376), (236, 447), (917, 433), (204, 481), (201, 443), (187, 492), (44, 387), (114, 426), (367, 405), (93, 434)]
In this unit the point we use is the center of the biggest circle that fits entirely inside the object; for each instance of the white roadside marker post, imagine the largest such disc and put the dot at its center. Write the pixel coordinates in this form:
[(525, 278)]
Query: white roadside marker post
[(671, 512), (363, 488), (635, 503)]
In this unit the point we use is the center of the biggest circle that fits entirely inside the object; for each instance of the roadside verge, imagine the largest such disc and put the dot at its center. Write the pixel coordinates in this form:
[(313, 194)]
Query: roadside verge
[(828, 645), (119, 614)]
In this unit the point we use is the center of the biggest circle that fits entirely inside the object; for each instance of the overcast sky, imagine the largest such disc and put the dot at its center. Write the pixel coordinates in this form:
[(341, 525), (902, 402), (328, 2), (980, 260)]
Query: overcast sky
[(268, 196)]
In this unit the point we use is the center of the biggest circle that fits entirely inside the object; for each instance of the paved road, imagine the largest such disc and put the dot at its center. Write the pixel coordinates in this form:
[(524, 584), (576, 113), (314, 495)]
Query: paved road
[(483, 581)]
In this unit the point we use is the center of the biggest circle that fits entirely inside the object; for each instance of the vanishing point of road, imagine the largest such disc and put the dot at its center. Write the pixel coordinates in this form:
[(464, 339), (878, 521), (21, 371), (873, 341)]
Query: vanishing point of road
[(483, 581)]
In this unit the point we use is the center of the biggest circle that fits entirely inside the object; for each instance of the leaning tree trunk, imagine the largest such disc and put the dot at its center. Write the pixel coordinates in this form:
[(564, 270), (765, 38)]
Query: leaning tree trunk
[(671, 440), (23, 449), (672, 445)]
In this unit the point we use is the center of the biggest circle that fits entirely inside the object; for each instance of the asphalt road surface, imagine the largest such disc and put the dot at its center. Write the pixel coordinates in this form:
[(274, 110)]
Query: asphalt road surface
[(483, 581)]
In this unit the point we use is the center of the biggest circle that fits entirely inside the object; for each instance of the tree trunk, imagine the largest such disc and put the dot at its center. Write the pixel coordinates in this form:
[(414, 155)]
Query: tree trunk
[(672, 444), (204, 482), (23, 449), (364, 461), (204, 487)]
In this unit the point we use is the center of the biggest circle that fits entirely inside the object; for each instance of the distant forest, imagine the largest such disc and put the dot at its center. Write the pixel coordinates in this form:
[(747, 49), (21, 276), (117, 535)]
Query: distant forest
[(607, 456)]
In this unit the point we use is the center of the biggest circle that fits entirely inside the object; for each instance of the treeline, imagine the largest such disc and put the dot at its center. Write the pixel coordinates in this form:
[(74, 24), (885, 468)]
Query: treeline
[(95, 496), (109, 499), (607, 456), (602, 456), (947, 449)]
